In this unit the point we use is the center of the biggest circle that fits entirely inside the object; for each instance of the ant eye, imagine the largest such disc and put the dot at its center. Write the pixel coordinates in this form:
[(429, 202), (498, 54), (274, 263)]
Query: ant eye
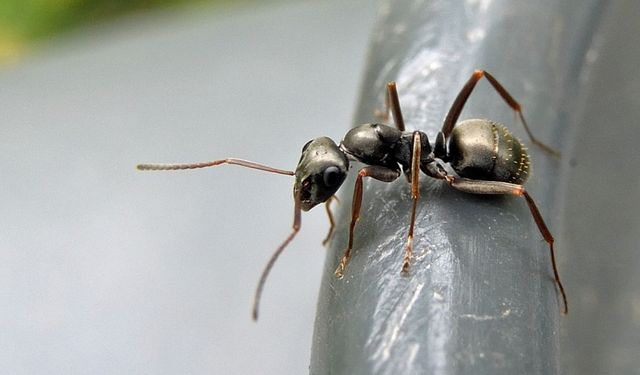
[(332, 176)]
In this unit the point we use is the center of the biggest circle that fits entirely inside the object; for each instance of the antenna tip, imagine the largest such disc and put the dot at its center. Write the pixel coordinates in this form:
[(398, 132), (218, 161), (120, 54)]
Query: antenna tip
[(147, 167)]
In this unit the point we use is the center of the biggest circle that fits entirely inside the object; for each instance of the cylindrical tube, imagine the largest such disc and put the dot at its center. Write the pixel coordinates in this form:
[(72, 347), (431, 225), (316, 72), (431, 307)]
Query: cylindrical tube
[(480, 297)]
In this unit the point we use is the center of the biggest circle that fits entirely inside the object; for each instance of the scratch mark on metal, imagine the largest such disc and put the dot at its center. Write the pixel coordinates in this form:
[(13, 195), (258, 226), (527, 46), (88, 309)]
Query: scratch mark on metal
[(481, 318), (386, 353)]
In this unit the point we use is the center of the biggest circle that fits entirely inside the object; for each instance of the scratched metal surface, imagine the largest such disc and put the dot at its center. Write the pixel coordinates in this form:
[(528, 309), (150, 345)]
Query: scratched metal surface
[(480, 298)]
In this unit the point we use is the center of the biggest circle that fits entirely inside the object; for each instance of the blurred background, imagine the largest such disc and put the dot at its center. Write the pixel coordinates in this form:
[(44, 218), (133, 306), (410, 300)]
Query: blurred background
[(25, 24), (107, 270)]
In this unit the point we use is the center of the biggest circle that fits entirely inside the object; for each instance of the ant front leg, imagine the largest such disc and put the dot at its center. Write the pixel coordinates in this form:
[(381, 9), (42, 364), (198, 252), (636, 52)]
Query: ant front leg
[(332, 223), (505, 188), (463, 96), (263, 277), (379, 173)]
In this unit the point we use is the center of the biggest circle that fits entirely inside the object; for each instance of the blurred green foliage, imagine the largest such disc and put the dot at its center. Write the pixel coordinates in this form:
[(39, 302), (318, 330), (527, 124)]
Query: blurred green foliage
[(23, 22)]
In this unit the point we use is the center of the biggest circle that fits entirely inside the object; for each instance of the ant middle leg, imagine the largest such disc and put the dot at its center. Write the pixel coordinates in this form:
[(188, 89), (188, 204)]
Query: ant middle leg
[(379, 173), (415, 194), (392, 104), (458, 104), (506, 188)]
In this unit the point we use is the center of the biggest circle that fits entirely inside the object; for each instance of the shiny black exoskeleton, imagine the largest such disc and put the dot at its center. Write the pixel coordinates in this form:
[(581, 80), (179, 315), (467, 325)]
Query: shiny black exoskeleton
[(477, 149), (474, 156)]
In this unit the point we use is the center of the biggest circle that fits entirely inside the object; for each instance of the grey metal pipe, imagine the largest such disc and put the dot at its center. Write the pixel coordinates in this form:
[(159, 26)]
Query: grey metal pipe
[(602, 207), (480, 298)]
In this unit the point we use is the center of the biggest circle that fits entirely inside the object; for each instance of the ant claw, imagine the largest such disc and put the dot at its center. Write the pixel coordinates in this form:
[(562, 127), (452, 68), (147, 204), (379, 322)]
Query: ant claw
[(341, 268), (405, 267)]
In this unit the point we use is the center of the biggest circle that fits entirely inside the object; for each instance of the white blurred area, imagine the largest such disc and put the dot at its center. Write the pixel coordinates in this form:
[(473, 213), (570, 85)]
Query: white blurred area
[(107, 270)]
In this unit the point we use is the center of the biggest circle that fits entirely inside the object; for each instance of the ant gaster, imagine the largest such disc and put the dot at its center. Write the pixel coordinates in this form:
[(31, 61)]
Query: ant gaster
[(474, 156)]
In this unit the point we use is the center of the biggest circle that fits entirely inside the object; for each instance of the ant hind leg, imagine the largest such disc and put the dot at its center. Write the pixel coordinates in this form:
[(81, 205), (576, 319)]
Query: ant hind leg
[(463, 96), (506, 188)]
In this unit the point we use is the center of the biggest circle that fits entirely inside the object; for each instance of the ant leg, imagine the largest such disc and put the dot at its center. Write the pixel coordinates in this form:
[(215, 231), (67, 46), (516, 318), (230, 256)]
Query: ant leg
[(332, 223), (415, 194), (263, 277), (498, 187), (379, 173), (461, 100), (393, 105)]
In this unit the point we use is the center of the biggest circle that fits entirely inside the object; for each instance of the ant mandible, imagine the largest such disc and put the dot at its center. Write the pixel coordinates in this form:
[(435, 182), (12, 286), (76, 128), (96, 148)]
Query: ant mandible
[(473, 156)]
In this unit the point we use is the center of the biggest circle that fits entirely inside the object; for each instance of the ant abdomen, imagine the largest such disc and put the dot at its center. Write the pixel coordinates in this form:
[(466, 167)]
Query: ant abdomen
[(486, 150)]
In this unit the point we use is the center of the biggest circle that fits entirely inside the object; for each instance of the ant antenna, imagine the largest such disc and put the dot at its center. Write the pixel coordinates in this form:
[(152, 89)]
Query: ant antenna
[(240, 162), (263, 278)]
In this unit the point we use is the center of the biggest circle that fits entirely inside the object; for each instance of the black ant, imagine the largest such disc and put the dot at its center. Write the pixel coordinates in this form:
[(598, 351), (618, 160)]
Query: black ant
[(474, 156)]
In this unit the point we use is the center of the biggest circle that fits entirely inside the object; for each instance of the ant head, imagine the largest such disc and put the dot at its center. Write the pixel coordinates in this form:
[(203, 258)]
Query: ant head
[(320, 172)]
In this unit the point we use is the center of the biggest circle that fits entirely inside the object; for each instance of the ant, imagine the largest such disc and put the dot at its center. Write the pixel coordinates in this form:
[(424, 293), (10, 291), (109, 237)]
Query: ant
[(474, 156)]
